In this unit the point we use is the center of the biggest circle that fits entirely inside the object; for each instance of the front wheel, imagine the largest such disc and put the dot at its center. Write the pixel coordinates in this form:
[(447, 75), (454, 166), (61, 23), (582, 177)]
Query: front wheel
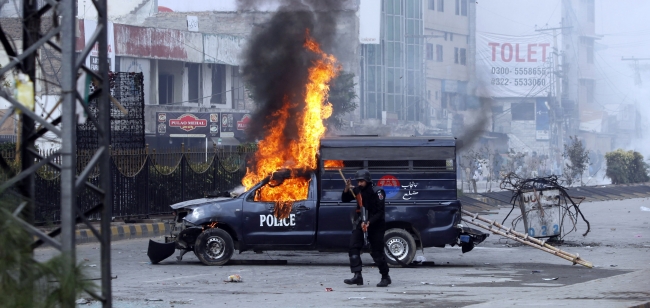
[(401, 245), (214, 247)]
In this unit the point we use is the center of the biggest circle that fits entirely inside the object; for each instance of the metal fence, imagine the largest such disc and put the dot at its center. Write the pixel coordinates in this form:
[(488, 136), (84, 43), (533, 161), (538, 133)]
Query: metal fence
[(127, 114), (145, 182)]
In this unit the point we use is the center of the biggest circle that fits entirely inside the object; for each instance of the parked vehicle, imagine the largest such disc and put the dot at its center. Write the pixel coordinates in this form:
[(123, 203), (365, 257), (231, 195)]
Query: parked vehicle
[(422, 207)]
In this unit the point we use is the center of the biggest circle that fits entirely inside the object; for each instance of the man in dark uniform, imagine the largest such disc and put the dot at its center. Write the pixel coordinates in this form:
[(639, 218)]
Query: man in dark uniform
[(376, 227)]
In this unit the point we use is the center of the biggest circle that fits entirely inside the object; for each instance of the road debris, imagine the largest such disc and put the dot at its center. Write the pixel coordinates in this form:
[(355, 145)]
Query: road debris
[(645, 209), (233, 278), (499, 229), (554, 278), (540, 199), (328, 290), (357, 297), (153, 300)]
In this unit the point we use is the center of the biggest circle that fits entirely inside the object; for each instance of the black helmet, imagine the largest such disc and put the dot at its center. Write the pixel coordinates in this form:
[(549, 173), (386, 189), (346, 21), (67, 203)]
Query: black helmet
[(363, 175)]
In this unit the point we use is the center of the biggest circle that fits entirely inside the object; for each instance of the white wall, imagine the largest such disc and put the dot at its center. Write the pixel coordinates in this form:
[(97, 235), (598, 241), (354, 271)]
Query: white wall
[(116, 8)]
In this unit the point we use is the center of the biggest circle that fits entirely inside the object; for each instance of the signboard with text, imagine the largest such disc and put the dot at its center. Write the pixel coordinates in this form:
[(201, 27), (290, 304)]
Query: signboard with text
[(202, 125), (234, 124), (92, 61), (192, 125), (514, 66)]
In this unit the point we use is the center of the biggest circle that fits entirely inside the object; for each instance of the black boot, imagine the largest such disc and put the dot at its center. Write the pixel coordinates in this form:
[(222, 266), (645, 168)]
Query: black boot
[(385, 281), (357, 279)]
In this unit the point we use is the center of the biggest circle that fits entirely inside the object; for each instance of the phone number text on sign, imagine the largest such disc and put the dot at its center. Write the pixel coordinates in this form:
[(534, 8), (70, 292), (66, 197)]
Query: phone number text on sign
[(520, 82), (519, 71)]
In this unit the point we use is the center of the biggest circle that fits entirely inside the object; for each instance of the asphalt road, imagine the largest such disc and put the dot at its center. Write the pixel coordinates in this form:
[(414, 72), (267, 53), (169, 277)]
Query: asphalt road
[(498, 273)]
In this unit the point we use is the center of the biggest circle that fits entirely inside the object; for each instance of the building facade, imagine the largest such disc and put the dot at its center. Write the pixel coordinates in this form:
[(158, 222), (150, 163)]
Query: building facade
[(584, 114), (191, 59), (419, 69)]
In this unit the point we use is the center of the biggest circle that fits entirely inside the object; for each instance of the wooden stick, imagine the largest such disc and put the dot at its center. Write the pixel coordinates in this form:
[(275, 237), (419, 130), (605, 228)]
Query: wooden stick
[(524, 239), (346, 183)]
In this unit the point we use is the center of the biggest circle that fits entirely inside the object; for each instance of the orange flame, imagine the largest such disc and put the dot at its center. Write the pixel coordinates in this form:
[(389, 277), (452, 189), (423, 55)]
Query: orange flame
[(273, 154), (333, 164)]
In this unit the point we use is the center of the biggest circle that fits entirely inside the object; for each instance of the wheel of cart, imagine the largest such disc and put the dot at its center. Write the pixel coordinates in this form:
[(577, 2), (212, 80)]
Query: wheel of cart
[(401, 245), (214, 247)]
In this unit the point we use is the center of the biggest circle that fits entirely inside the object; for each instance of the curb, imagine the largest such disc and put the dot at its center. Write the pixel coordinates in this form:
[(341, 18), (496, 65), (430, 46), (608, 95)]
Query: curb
[(128, 231)]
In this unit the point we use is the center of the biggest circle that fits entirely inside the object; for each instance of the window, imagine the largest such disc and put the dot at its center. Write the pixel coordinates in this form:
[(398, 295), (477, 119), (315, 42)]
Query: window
[(456, 54), (165, 89), (446, 36), (522, 111), (429, 51), (441, 5), (463, 56), (457, 11), (193, 82), (428, 94), (451, 36), (432, 5), (219, 90), (591, 10), (588, 85), (439, 53), (463, 7), (237, 89), (589, 48), (444, 98)]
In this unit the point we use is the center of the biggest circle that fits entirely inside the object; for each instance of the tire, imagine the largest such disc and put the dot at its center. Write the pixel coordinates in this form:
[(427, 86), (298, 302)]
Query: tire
[(214, 247), (401, 244)]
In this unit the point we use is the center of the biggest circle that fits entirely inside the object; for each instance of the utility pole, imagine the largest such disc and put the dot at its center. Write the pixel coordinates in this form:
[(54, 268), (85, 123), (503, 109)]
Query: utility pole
[(558, 112), (637, 71), (61, 38), (31, 34)]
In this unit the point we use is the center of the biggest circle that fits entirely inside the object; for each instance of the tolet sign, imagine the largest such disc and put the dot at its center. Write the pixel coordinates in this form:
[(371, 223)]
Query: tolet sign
[(519, 52), (514, 66)]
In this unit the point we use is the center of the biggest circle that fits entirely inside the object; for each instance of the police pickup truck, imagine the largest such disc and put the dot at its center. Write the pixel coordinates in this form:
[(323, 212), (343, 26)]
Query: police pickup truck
[(417, 174)]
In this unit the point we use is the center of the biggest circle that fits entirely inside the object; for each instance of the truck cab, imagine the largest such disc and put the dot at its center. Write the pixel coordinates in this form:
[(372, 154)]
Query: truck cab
[(418, 176)]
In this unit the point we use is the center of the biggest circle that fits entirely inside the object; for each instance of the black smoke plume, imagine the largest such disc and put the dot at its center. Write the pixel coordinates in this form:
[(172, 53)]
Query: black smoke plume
[(478, 119), (275, 62)]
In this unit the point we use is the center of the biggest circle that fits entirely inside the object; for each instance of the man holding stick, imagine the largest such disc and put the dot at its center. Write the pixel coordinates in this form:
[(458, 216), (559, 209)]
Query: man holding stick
[(375, 226)]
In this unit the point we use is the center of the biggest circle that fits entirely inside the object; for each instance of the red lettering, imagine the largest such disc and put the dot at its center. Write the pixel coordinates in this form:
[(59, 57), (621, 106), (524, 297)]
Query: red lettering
[(494, 50), (544, 50), (503, 56), (517, 59), (531, 52)]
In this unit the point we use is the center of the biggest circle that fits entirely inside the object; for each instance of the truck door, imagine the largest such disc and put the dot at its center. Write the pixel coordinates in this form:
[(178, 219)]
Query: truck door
[(262, 228)]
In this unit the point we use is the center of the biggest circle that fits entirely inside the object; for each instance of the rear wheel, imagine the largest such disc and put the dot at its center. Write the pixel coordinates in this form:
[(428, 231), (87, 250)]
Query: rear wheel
[(401, 245), (214, 247)]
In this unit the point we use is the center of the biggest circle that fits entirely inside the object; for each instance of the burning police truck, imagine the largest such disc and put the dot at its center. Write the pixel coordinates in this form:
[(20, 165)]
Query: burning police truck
[(422, 208)]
